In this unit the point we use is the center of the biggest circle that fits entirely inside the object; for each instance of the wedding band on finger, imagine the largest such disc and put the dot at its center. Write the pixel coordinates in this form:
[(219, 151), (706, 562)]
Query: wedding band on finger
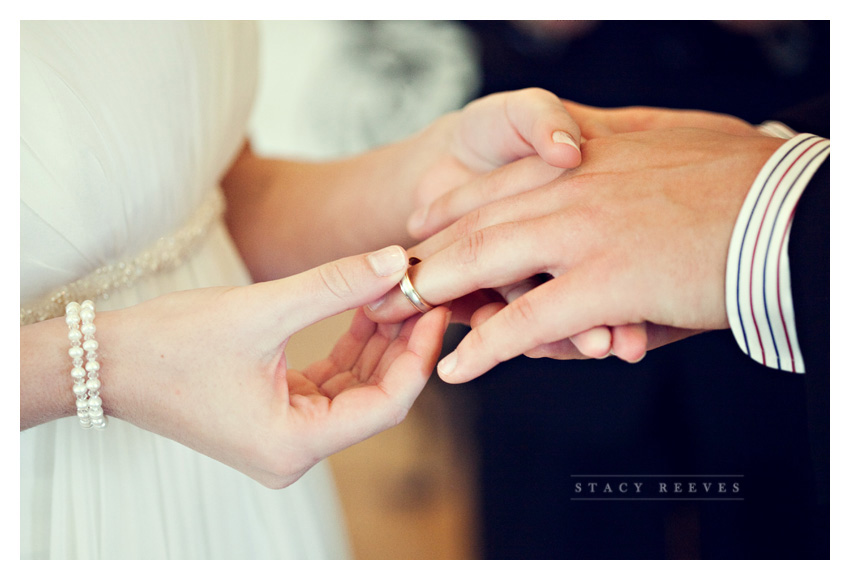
[(412, 295)]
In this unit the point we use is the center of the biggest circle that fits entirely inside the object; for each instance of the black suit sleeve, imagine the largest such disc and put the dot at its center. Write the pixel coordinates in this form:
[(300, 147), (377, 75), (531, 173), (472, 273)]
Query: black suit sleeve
[(808, 255)]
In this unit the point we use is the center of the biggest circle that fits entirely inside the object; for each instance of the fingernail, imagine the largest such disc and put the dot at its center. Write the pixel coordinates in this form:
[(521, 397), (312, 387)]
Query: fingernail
[(417, 219), (448, 364), (377, 303), (517, 291), (387, 261), (564, 137)]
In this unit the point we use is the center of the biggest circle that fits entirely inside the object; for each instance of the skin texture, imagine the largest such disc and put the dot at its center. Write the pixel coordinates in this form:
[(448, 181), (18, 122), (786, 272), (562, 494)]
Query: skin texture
[(276, 207), (212, 373), (207, 368), (637, 236)]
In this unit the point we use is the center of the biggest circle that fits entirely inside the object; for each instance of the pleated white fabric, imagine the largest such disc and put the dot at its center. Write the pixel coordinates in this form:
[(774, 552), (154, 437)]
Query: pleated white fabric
[(126, 129)]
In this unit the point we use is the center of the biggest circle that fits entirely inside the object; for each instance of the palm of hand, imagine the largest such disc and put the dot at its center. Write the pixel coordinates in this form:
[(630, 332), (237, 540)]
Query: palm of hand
[(361, 373), (224, 388), (366, 385)]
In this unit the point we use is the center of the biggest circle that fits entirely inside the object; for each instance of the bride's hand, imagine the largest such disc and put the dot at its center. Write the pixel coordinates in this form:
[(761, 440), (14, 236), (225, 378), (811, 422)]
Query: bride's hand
[(274, 205), (207, 367), (529, 126)]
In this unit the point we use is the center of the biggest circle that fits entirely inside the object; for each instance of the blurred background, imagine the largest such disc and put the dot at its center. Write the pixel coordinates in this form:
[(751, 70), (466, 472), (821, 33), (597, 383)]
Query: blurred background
[(484, 470)]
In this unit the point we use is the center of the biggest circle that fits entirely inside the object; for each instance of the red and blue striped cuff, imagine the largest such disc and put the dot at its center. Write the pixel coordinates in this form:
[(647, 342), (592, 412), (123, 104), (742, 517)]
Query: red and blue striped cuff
[(759, 304)]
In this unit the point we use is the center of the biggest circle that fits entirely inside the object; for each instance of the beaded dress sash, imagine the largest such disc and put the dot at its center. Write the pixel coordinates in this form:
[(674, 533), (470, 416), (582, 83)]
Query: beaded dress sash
[(163, 255)]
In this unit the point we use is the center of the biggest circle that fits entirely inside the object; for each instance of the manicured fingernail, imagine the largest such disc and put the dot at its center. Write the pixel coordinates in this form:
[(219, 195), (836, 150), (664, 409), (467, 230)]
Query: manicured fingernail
[(564, 137), (388, 261), (417, 219), (448, 364)]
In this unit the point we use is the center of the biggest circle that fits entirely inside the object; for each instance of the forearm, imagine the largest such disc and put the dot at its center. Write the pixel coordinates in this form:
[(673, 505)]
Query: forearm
[(45, 383), (286, 217)]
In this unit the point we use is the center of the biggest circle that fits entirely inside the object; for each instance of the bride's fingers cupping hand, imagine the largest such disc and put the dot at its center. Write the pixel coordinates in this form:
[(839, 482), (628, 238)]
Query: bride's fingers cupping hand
[(213, 372)]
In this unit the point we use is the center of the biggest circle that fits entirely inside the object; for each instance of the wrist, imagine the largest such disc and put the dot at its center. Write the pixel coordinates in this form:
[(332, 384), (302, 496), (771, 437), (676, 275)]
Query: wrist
[(46, 393), (46, 384), (387, 185), (132, 363)]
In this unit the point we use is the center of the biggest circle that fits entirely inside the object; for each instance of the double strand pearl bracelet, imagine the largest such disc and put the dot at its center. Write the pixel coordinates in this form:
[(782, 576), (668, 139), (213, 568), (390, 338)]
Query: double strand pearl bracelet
[(80, 321)]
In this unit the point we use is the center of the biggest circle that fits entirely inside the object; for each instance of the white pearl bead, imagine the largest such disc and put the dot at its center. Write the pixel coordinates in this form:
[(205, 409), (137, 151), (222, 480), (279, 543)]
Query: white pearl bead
[(81, 329)]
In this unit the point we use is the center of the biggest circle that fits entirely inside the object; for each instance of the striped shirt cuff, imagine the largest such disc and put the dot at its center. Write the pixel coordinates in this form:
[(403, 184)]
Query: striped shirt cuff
[(758, 281)]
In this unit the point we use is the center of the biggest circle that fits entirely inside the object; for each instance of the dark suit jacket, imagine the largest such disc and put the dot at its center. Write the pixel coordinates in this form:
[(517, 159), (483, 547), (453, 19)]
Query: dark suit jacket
[(809, 261)]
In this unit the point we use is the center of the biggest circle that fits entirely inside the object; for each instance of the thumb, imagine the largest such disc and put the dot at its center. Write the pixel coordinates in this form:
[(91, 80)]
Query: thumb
[(504, 127), (341, 285), (540, 118)]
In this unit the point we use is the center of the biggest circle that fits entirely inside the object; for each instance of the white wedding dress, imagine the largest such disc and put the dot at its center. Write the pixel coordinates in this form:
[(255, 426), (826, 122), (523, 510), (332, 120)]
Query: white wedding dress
[(126, 130)]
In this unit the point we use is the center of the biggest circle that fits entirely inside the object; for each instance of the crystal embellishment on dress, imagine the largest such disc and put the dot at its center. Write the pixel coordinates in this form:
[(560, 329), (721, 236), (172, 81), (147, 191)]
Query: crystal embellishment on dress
[(165, 254)]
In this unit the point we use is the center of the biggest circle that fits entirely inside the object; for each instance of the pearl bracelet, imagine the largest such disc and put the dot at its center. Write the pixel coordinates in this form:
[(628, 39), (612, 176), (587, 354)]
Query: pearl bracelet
[(80, 321)]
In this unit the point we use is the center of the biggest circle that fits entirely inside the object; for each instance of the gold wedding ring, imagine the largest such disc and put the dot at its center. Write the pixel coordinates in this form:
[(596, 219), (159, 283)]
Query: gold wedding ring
[(411, 294)]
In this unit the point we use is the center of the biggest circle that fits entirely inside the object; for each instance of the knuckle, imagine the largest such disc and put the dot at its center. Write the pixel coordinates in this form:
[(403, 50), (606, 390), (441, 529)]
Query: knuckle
[(471, 247), (395, 409), (533, 93), (468, 224), (523, 313), (335, 281), (482, 346)]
